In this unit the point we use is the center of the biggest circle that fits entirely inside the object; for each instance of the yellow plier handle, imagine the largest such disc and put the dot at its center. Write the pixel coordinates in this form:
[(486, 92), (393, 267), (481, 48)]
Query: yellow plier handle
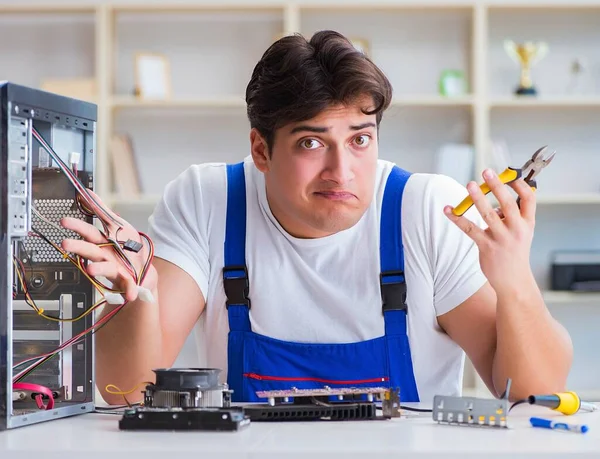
[(508, 175)]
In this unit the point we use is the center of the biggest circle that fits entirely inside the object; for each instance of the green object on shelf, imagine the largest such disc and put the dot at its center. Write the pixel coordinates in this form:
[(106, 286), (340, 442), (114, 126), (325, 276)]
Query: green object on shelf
[(452, 83)]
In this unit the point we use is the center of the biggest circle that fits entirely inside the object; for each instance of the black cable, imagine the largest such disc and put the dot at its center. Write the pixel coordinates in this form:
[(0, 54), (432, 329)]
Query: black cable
[(114, 409), (410, 408), (518, 402), (418, 410)]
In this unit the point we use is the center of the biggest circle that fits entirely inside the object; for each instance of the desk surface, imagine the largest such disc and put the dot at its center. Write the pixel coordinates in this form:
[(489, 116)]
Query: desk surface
[(97, 435)]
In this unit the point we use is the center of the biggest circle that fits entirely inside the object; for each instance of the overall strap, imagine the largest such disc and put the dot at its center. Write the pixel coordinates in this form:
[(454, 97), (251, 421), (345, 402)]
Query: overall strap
[(393, 286), (235, 272)]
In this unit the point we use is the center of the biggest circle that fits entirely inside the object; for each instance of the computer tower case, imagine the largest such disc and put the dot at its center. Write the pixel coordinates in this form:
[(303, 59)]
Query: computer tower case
[(44, 311)]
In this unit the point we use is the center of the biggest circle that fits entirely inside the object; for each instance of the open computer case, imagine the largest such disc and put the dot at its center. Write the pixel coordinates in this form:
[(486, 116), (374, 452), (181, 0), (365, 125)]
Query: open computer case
[(47, 147)]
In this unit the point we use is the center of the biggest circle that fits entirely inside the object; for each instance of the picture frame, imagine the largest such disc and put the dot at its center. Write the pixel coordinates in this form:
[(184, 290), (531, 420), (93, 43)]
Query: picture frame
[(152, 76)]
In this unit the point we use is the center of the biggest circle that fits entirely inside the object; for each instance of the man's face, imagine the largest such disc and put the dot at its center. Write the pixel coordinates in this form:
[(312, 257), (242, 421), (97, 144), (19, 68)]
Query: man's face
[(320, 175)]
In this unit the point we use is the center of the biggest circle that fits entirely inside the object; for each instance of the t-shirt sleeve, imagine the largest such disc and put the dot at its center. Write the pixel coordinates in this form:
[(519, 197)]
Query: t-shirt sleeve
[(178, 227), (454, 256)]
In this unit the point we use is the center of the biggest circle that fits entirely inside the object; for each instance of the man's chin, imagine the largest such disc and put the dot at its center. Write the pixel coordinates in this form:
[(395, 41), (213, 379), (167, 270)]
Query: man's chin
[(334, 222)]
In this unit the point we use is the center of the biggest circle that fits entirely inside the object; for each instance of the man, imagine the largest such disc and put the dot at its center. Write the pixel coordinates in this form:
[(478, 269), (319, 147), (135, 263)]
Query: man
[(289, 253)]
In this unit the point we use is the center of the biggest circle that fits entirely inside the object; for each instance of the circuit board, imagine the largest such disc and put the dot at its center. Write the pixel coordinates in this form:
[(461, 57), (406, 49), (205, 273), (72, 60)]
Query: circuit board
[(326, 403), (323, 392)]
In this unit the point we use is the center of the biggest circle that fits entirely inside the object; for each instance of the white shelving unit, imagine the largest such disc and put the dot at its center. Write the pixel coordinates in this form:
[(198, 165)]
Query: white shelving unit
[(212, 49)]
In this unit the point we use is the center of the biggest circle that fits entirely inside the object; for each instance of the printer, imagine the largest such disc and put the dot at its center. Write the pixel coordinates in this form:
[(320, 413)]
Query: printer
[(576, 270)]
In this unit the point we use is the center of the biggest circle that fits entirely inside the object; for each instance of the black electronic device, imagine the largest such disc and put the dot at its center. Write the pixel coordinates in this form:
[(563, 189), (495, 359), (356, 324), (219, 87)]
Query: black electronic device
[(576, 271), (185, 399), (45, 141), (146, 418)]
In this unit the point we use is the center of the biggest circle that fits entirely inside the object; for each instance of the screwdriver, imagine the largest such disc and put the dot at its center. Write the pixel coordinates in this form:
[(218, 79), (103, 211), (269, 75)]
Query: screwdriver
[(563, 402)]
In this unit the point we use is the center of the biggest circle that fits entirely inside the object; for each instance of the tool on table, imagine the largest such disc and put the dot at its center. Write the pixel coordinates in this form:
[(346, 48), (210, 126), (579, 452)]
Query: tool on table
[(528, 172), (472, 411), (564, 402), (549, 424)]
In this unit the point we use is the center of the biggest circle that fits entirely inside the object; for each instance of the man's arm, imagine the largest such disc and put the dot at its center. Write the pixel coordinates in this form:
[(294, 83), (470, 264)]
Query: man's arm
[(505, 327), (511, 337), (144, 336)]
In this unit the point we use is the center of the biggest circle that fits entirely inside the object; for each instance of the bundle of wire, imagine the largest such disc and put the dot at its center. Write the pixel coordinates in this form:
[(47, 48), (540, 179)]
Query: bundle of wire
[(89, 206)]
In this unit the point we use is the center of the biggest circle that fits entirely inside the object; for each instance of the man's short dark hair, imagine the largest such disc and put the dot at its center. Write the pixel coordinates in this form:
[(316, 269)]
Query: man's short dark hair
[(296, 79)]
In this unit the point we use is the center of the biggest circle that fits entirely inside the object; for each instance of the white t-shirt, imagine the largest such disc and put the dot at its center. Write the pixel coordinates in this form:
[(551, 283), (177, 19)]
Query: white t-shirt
[(326, 289)]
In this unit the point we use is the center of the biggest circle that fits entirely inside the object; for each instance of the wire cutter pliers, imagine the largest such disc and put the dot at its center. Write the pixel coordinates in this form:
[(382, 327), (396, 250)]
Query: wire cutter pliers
[(529, 171)]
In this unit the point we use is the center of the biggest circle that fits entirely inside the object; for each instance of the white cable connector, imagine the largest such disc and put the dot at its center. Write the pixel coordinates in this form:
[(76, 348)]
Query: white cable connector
[(145, 295), (114, 298), (74, 158)]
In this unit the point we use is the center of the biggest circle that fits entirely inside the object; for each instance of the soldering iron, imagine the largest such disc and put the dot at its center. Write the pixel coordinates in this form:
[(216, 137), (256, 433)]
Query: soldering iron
[(563, 402)]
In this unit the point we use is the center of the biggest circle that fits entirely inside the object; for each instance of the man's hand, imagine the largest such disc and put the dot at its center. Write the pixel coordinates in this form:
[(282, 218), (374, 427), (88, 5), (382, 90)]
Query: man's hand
[(96, 248), (505, 245)]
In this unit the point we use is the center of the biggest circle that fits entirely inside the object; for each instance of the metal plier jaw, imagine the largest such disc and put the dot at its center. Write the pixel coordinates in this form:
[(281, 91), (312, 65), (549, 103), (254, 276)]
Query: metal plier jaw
[(534, 166), (528, 172)]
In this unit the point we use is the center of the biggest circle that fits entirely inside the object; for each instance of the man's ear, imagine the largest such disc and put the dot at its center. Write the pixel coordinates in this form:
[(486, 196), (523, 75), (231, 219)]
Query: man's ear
[(260, 151)]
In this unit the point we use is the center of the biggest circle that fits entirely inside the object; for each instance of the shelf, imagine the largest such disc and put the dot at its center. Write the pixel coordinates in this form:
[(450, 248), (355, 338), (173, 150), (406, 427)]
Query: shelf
[(387, 7), (47, 43), (525, 8), (123, 102), (210, 51), (553, 297), (576, 198), (143, 8), (570, 32), (52, 9), (561, 102), (432, 101), (411, 43)]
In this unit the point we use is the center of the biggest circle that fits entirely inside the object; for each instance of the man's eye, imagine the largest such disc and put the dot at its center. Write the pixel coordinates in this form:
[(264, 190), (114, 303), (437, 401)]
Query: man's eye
[(310, 144), (362, 140)]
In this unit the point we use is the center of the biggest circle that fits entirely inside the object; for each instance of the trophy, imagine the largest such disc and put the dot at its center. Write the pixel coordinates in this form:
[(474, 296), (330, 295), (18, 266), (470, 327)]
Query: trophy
[(526, 55)]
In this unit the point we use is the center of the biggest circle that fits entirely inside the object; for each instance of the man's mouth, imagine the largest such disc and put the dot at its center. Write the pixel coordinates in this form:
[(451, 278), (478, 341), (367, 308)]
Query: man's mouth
[(336, 195)]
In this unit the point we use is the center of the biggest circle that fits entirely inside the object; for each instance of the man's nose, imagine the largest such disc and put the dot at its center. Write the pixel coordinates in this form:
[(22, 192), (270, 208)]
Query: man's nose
[(339, 165)]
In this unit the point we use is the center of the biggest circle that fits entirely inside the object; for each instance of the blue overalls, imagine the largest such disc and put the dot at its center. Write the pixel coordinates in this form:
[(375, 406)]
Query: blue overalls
[(257, 362)]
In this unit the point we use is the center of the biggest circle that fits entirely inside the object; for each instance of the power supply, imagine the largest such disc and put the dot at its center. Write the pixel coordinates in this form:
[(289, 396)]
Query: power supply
[(47, 149)]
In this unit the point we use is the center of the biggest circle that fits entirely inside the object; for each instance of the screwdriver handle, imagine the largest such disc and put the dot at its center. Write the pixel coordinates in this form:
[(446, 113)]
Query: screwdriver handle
[(564, 402)]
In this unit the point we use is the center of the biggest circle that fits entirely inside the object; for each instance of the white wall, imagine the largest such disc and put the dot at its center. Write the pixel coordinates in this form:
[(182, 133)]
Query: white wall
[(409, 136)]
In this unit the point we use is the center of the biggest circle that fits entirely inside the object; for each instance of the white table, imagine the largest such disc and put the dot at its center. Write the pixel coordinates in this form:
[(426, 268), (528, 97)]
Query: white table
[(92, 436)]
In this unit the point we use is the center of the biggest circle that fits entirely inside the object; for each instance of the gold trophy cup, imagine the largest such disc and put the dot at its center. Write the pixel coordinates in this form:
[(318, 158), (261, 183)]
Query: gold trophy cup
[(526, 54)]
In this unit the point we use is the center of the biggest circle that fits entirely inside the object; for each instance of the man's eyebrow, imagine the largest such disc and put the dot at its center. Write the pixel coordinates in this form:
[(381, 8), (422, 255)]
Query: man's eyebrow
[(362, 126), (305, 127), (321, 129)]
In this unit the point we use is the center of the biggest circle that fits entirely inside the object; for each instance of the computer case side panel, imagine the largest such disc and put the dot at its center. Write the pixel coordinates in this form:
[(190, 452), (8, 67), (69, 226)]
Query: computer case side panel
[(47, 296), (5, 276)]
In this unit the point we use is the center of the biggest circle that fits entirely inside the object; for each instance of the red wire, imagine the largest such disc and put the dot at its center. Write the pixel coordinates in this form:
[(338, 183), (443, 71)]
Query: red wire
[(38, 397), (67, 343), (81, 193)]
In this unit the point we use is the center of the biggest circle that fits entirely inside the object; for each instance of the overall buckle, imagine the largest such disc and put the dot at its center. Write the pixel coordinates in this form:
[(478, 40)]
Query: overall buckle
[(237, 287), (393, 294)]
